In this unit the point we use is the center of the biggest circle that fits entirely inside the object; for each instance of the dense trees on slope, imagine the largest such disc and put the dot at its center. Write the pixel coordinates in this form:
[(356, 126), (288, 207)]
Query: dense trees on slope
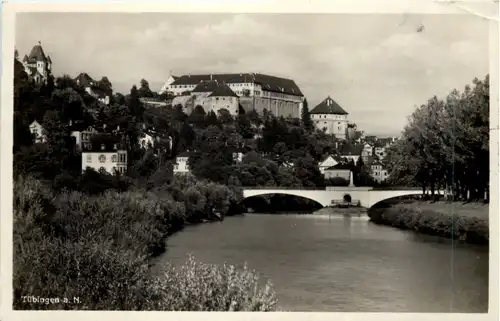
[(445, 145)]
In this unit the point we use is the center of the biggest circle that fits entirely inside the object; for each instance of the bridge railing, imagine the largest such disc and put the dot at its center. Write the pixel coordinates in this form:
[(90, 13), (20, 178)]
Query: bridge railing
[(385, 188), (285, 188)]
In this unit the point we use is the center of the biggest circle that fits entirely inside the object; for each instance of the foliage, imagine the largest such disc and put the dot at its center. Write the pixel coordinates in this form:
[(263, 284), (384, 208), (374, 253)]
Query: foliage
[(429, 219), (446, 145), (68, 244), (306, 116), (205, 287)]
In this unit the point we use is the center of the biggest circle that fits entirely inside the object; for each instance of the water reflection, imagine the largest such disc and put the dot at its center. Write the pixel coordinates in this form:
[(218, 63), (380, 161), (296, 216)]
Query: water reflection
[(344, 263)]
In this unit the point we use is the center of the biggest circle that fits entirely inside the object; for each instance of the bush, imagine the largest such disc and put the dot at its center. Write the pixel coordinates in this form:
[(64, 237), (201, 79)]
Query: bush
[(205, 287), (463, 227), (96, 248)]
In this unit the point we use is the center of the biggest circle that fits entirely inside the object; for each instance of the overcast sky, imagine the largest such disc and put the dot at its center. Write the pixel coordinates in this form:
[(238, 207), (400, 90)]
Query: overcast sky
[(377, 67)]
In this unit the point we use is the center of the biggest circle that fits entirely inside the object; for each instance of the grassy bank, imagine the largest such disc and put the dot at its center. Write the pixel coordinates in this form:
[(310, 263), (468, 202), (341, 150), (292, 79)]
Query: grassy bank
[(96, 248), (465, 222)]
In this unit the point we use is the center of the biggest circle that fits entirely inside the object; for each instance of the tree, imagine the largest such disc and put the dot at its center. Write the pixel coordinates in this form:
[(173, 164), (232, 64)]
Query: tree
[(224, 116), (197, 117), (105, 85), (144, 90), (211, 119), (445, 145), (244, 127), (306, 116), (307, 171), (134, 104)]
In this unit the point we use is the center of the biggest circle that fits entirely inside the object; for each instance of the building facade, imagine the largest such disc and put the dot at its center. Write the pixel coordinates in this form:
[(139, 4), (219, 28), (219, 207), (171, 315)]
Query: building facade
[(338, 171), (166, 86), (212, 96), (37, 131), (92, 88), (331, 118), (328, 162), (112, 161), (378, 172), (37, 65), (280, 96), (181, 163)]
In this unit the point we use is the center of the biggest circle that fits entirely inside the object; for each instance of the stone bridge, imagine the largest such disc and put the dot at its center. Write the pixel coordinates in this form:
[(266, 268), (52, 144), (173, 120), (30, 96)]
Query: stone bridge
[(366, 196)]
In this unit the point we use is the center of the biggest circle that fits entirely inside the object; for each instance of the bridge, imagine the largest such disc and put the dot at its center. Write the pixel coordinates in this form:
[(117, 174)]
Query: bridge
[(366, 196)]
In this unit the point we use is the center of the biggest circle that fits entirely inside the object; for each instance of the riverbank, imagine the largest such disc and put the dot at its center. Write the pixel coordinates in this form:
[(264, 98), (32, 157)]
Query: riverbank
[(465, 222), (105, 242)]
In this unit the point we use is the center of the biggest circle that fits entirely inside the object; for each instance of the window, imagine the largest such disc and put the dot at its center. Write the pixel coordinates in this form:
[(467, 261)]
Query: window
[(89, 158), (102, 158), (114, 158), (176, 167), (34, 131)]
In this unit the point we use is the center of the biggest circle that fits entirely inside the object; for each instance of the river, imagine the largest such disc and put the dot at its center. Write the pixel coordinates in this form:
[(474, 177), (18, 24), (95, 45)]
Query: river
[(343, 264)]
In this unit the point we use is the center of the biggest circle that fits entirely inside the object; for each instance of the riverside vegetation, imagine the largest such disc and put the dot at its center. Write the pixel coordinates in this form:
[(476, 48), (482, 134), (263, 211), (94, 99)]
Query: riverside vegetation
[(445, 145), (90, 235), (96, 248), (464, 222)]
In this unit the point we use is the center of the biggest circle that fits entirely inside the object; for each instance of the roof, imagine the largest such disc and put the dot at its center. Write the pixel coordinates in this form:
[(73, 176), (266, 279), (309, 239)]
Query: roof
[(268, 83), (184, 154), (37, 54), (83, 79), (206, 86), (343, 166), (39, 122), (25, 58), (350, 150), (223, 90), (328, 106)]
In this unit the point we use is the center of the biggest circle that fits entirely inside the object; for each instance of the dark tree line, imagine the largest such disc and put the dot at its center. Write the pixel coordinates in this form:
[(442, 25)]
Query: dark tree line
[(445, 145)]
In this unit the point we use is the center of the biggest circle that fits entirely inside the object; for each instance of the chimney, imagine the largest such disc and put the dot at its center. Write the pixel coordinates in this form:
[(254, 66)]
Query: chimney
[(210, 77), (115, 146), (103, 147)]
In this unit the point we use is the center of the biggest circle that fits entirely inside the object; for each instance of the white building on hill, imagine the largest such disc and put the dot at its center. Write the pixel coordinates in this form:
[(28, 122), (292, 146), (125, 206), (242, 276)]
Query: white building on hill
[(212, 96), (37, 65), (280, 96), (111, 160), (330, 117)]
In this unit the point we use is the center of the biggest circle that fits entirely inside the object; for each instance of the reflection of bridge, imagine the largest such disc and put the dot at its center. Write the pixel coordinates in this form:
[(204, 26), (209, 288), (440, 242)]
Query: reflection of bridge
[(365, 195)]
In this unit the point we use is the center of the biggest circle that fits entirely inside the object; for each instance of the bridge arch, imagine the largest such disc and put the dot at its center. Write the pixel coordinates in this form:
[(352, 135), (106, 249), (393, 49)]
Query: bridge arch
[(312, 195), (377, 197)]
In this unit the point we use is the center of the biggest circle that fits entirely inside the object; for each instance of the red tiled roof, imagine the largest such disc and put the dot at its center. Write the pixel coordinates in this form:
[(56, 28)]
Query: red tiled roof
[(268, 83), (328, 106)]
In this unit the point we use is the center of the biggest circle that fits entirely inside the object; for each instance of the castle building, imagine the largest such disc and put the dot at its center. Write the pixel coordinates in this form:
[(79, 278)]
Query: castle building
[(212, 96), (280, 96), (37, 65), (330, 117)]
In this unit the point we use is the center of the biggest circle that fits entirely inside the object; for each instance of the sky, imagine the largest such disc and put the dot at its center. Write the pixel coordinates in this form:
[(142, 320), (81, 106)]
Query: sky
[(378, 67)]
